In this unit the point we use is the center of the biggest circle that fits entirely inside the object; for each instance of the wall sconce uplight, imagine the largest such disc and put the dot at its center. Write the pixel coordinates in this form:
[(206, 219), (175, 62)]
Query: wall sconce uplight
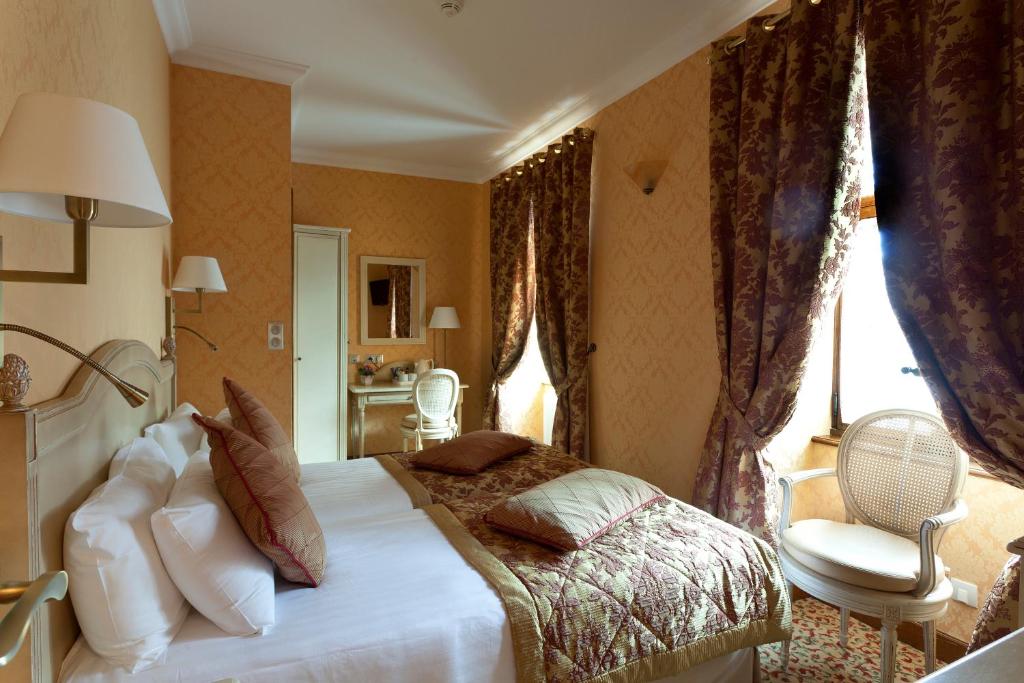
[(646, 174), (73, 160)]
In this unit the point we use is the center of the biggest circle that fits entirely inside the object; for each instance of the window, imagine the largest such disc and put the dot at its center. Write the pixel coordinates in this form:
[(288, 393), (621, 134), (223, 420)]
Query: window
[(873, 366)]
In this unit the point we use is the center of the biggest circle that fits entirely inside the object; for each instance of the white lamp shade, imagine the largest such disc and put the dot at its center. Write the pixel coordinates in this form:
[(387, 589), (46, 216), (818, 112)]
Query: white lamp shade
[(444, 318), (55, 145), (198, 272)]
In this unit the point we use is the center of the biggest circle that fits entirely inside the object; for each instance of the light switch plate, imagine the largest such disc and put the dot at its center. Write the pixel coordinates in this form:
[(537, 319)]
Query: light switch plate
[(275, 335), (353, 358)]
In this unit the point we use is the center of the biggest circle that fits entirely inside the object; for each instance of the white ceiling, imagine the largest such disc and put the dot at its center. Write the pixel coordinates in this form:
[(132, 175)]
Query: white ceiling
[(396, 86)]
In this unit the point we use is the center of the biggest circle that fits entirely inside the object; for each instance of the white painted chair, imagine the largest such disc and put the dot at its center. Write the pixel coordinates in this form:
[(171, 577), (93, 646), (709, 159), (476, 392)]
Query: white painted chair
[(434, 394), (900, 474)]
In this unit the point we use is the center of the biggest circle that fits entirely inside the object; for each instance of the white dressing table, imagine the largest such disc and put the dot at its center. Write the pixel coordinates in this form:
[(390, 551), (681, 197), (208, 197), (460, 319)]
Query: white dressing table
[(382, 394)]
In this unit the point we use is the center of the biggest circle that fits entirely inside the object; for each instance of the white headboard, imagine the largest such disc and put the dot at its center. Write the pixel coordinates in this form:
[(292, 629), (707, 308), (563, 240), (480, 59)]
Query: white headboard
[(51, 458)]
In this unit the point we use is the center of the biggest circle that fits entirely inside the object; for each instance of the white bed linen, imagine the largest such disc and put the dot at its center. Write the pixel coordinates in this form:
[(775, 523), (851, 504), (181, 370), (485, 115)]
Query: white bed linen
[(354, 488), (398, 603)]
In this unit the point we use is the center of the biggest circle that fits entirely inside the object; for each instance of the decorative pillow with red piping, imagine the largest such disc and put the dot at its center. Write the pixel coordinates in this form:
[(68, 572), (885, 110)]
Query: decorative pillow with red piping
[(569, 512), (252, 418), (267, 502)]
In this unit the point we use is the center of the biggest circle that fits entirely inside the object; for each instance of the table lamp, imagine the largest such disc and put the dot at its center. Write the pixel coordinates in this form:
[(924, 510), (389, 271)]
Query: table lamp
[(444, 318)]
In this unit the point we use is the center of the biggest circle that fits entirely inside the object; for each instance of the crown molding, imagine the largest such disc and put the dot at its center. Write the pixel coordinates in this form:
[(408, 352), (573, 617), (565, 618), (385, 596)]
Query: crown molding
[(240, 64), (320, 157), (173, 24), (173, 18), (660, 58)]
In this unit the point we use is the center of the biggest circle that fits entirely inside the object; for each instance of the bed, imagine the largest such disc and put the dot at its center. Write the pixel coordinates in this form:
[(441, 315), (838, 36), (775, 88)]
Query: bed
[(411, 594)]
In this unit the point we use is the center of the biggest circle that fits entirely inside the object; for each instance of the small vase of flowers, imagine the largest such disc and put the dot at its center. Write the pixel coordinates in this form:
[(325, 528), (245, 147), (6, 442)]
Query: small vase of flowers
[(367, 371)]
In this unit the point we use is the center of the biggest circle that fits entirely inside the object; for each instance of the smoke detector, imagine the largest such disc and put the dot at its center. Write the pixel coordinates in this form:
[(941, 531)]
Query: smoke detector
[(451, 7)]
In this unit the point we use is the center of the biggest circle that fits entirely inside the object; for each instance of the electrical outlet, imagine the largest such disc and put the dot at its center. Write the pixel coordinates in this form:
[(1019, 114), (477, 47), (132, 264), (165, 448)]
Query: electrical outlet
[(377, 358), (353, 358), (275, 335), (964, 592)]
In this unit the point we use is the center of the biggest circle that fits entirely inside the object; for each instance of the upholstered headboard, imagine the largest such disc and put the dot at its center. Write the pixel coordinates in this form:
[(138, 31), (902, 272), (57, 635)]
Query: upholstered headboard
[(52, 457)]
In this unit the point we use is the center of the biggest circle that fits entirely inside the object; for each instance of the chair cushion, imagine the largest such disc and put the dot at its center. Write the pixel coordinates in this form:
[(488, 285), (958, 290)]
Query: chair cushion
[(472, 453), (856, 554), (267, 502), (410, 422), (253, 419), (569, 512)]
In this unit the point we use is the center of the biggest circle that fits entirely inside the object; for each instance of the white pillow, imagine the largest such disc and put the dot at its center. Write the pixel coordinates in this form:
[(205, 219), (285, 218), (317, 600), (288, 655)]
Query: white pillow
[(223, 416), (209, 556), (178, 435), (127, 606)]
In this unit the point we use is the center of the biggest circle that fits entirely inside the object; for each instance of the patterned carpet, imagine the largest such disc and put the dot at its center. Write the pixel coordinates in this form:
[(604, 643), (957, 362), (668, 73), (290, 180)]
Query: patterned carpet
[(815, 654)]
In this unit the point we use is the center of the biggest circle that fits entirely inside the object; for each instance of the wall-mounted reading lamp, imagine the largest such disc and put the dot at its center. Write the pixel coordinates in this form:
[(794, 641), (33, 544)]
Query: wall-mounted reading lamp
[(73, 160), (69, 159), (199, 274)]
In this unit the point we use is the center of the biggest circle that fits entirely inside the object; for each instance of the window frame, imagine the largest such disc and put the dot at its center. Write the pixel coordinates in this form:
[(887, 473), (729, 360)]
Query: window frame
[(838, 426)]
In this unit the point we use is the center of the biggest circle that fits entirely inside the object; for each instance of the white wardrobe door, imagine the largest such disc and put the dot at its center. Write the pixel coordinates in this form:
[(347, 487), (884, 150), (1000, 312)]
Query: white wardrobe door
[(317, 353)]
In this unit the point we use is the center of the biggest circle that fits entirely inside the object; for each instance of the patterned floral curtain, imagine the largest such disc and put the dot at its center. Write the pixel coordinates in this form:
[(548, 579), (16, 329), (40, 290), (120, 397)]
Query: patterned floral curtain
[(787, 116), (561, 221), (512, 282), (400, 298), (947, 127)]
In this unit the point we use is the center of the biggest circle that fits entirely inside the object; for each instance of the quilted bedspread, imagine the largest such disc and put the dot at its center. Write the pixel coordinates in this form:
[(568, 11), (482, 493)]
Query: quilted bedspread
[(539, 464), (664, 590)]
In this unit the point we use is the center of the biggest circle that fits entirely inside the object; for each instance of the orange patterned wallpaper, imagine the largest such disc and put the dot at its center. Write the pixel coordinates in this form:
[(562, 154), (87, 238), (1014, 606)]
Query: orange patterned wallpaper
[(442, 221), (112, 51), (655, 375), (232, 178)]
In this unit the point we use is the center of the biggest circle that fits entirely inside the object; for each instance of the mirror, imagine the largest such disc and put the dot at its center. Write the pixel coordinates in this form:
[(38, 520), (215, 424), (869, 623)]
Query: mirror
[(393, 293)]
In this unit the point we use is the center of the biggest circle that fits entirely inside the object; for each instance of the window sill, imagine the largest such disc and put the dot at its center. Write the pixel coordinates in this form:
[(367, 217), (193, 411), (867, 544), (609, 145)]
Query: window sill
[(826, 439)]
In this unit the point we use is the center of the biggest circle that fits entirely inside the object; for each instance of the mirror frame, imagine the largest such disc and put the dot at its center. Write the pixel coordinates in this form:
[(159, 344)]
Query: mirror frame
[(364, 299)]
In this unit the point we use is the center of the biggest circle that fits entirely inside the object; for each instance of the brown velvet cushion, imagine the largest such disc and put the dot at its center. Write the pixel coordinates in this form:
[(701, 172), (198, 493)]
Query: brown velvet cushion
[(571, 511), (268, 504), (253, 419), (471, 453)]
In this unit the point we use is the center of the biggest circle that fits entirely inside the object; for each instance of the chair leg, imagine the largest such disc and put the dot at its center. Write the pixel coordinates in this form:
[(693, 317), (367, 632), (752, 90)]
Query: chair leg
[(419, 442), (405, 444), (890, 642), (929, 646), (844, 626)]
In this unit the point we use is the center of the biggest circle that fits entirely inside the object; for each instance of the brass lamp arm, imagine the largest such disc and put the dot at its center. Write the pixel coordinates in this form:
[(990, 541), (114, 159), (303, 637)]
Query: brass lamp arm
[(131, 393), (213, 347), (27, 597)]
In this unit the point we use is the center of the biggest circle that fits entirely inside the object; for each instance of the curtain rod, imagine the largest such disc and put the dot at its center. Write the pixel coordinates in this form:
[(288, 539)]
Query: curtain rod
[(769, 25)]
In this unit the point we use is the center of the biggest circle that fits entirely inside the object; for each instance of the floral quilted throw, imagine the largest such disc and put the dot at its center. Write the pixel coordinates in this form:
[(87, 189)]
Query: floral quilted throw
[(667, 589)]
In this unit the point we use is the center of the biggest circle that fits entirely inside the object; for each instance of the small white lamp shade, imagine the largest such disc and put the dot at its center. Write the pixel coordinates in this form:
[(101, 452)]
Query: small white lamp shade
[(55, 145), (198, 272), (444, 318)]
